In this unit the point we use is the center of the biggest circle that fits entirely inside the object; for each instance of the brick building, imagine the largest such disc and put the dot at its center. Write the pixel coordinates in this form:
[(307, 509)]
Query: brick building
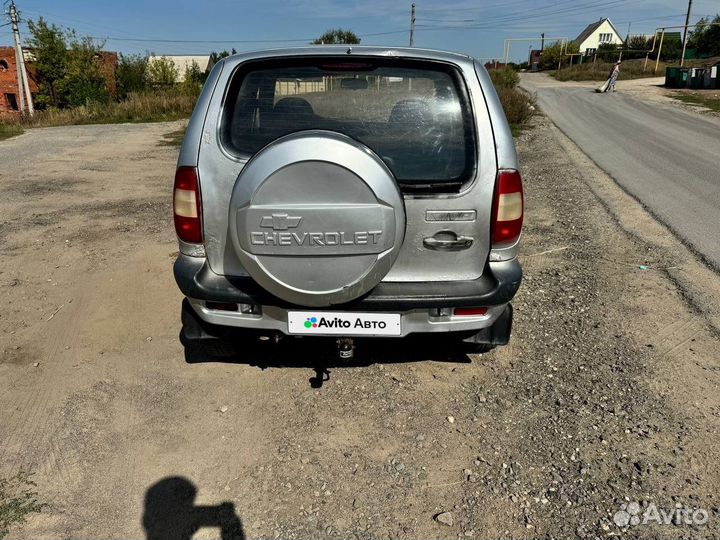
[(9, 92)]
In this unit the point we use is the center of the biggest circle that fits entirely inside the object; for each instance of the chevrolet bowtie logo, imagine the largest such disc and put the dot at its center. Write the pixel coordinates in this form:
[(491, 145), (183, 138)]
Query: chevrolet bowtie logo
[(280, 222)]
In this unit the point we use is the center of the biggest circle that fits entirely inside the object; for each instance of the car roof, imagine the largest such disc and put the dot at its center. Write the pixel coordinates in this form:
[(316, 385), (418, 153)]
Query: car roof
[(350, 51)]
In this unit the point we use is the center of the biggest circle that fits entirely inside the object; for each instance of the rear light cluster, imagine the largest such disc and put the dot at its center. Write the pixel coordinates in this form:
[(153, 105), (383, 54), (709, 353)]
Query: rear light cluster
[(507, 214), (470, 312), (186, 205)]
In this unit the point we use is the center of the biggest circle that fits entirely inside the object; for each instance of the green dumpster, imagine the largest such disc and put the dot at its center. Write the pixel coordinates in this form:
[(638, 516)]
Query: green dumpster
[(697, 78), (672, 77), (683, 77)]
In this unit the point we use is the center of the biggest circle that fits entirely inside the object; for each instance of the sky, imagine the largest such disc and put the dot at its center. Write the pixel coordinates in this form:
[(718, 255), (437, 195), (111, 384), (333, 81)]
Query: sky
[(475, 27)]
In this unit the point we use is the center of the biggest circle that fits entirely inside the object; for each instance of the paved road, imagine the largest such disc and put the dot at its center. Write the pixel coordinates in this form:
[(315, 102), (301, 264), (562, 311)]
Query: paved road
[(666, 157)]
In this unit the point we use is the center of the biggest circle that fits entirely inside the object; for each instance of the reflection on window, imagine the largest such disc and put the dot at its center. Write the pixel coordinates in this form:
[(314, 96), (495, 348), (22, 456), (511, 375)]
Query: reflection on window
[(412, 118)]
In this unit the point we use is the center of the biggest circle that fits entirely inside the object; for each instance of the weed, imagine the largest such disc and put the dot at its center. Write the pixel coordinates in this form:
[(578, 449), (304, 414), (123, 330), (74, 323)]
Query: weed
[(8, 130), (138, 107), (708, 99), (600, 71), (18, 498)]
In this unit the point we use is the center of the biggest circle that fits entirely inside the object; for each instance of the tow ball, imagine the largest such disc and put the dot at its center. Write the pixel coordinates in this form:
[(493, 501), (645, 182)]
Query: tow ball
[(345, 348)]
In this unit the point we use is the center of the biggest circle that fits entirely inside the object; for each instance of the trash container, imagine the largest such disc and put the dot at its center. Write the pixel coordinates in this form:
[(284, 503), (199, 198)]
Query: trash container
[(672, 77), (708, 81), (683, 77), (696, 80), (715, 76)]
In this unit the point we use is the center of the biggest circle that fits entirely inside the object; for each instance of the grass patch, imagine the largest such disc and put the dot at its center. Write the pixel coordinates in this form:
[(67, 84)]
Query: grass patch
[(8, 130), (145, 107), (599, 71), (173, 138), (707, 98), (18, 498)]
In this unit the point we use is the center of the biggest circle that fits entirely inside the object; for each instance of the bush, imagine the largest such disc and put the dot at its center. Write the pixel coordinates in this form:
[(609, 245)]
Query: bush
[(519, 106), (131, 74), (608, 52), (162, 72), (504, 78), (84, 80)]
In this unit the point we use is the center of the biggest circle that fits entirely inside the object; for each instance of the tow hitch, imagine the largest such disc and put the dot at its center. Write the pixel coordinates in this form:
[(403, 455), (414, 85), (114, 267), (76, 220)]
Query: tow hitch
[(345, 348)]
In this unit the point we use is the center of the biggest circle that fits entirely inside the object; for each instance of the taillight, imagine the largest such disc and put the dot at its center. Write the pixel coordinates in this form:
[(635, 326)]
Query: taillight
[(507, 213), (186, 205), (470, 311)]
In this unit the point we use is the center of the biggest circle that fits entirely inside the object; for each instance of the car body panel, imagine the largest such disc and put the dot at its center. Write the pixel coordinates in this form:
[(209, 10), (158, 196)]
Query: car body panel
[(429, 216)]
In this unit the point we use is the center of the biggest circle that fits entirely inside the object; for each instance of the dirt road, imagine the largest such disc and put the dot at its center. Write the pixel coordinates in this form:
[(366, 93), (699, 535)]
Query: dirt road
[(607, 394)]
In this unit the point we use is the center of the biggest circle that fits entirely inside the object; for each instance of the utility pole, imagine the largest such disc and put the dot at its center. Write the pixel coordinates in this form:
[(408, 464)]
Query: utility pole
[(685, 33), (412, 25), (23, 84)]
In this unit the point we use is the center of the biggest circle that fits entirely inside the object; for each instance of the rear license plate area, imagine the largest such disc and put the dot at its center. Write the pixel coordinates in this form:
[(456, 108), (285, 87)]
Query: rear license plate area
[(343, 323)]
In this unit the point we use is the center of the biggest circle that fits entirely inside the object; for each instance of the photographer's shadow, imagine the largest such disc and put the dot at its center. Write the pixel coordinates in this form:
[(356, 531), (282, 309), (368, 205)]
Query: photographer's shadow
[(171, 514)]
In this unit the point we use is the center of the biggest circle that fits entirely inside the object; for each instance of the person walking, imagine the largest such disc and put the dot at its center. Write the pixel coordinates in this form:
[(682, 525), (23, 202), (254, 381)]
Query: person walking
[(614, 74)]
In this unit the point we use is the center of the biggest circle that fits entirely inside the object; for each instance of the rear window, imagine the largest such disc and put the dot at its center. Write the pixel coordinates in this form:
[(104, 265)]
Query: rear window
[(414, 115)]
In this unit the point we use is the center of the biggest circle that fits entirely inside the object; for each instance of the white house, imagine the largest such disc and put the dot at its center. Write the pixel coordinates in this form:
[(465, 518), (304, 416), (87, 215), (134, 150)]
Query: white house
[(182, 62), (597, 33)]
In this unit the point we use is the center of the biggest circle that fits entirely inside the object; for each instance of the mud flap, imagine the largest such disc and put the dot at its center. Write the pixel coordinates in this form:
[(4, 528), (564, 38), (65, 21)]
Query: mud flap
[(194, 328), (202, 341), (497, 334)]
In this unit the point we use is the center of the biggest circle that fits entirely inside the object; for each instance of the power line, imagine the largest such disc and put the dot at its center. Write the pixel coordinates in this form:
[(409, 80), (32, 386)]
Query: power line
[(229, 41), (577, 8)]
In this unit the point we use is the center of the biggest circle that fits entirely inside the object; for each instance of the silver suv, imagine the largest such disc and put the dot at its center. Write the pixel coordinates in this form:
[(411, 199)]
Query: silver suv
[(348, 191)]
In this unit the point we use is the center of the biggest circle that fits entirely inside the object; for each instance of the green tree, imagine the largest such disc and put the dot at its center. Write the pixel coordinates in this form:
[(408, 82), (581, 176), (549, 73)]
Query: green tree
[(50, 52), (640, 43), (671, 49), (638, 46), (705, 38), (193, 79), (609, 52), (131, 74), (161, 71), (216, 56), (337, 36), (557, 53), (84, 81)]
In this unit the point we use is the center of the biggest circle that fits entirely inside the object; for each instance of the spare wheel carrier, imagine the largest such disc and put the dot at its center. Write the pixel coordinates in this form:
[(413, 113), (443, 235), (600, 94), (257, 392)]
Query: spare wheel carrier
[(316, 218)]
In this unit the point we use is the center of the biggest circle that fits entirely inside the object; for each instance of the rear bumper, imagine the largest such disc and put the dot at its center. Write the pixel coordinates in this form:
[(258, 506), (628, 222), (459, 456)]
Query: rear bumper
[(497, 286), (415, 301)]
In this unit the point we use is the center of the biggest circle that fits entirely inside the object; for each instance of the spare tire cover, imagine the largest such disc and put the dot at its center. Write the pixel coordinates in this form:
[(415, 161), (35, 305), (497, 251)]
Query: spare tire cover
[(316, 218)]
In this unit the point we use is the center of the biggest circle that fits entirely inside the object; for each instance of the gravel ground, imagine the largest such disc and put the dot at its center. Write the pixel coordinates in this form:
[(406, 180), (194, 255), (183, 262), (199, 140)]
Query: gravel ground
[(606, 396)]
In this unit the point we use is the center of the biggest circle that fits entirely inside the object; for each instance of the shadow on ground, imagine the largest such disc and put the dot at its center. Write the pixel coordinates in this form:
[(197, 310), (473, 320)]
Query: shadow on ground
[(321, 354), (171, 514)]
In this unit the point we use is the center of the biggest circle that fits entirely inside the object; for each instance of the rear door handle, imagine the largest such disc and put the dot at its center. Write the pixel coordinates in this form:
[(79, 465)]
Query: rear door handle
[(444, 244)]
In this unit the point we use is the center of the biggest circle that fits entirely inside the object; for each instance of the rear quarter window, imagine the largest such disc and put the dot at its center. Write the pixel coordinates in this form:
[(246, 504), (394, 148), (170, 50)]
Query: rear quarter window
[(415, 115)]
